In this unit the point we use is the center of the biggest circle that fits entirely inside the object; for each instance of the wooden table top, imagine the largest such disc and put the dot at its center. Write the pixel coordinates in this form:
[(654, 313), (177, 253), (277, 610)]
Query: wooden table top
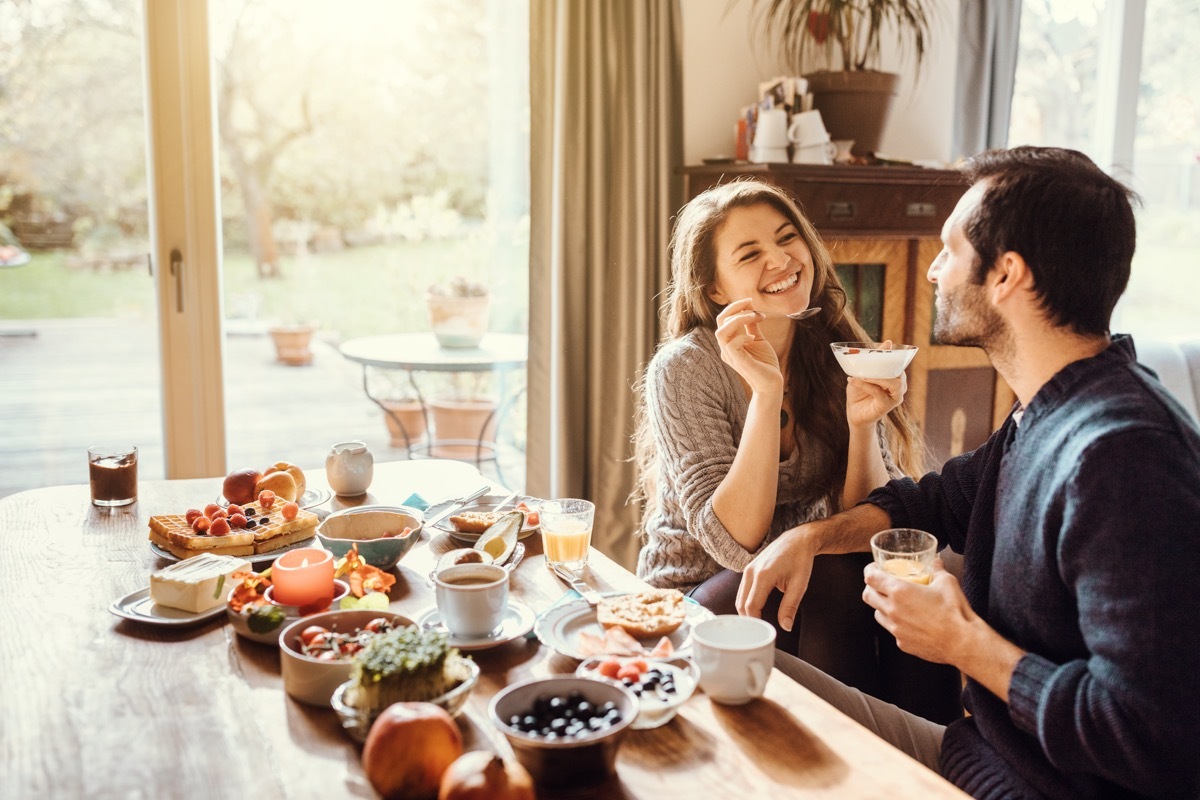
[(92, 705)]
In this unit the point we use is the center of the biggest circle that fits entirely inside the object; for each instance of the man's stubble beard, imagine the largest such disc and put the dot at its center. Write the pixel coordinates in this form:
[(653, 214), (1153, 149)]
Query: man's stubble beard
[(965, 319)]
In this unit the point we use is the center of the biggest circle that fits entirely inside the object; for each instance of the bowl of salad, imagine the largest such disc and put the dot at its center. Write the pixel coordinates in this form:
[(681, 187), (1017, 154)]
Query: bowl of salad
[(316, 651)]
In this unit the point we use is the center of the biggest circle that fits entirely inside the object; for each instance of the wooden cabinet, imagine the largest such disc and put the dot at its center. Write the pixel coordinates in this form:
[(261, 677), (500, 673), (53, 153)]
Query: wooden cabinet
[(882, 225)]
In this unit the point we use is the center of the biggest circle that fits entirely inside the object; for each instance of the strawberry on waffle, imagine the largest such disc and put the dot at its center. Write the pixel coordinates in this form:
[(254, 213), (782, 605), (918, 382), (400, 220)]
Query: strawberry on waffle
[(173, 533)]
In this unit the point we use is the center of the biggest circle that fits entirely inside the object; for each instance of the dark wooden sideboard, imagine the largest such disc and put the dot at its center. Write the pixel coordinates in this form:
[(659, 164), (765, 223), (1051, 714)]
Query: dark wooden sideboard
[(882, 225)]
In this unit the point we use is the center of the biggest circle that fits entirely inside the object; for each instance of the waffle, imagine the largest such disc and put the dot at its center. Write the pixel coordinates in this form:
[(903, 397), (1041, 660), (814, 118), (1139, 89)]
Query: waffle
[(172, 533)]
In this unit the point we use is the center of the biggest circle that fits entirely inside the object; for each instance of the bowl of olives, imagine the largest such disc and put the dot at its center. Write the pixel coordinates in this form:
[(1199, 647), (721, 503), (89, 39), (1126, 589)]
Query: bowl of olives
[(565, 730)]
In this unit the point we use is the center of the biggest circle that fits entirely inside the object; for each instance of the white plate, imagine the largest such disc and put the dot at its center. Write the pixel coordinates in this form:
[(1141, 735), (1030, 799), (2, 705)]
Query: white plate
[(310, 498), (138, 607), (254, 558), (559, 628), (518, 621), (482, 505)]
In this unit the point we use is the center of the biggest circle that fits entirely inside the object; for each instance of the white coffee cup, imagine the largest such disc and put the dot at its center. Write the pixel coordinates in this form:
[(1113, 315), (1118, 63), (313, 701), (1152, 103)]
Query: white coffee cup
[(771, 129), (735, 655), (816, 153), (472, 599), (807, 128), (768, 155)]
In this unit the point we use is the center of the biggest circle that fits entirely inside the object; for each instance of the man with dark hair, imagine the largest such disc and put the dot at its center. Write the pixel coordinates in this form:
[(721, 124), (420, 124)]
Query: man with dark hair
[(1077, 623)]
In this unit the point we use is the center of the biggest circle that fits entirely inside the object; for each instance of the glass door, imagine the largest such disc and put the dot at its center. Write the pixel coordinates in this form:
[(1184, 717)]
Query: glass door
[(79, 351), (366, 156)]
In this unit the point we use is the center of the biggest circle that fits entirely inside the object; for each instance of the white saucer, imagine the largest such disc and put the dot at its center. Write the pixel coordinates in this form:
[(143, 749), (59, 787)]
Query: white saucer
[(518, 621)]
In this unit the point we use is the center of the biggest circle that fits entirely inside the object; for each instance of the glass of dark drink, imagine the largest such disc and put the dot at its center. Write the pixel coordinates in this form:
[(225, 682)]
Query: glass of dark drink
[(113, 475)]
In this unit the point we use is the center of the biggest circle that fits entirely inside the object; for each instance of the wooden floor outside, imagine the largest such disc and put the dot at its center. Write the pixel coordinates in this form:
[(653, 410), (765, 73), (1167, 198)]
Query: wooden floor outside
[(75, 383)]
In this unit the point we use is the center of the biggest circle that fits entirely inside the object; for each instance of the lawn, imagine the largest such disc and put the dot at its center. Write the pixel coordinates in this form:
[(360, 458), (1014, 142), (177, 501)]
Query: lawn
[(354, 292)]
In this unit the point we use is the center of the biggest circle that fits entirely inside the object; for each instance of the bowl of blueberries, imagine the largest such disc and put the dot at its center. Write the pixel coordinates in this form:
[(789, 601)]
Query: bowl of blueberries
[(565, 730)]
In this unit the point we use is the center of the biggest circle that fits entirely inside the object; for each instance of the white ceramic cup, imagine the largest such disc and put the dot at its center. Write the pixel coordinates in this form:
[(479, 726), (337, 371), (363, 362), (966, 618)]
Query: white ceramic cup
[(844, 146), (771, 130), (816, 153), (768, 155), (735, 655), (807, 128), (472, 599)]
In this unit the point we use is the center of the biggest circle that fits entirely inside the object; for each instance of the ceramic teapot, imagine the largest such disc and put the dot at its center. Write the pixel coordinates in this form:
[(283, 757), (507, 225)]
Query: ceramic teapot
[(349, 468)]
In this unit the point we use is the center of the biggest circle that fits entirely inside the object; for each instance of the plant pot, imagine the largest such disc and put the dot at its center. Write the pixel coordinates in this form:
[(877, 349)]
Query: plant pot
[(458, 321), (411, 415), (854, 105), (292, 344), (465, 422)]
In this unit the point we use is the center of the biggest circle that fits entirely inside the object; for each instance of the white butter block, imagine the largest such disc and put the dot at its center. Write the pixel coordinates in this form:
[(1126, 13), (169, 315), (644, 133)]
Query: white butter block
[(196, 584)]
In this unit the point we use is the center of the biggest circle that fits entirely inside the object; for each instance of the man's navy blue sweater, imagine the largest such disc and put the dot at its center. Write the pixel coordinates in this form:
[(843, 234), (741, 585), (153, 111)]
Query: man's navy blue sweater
[(1080, 531)]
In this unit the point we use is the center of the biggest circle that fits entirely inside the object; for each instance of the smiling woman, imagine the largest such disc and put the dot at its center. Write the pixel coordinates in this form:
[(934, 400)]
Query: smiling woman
[(749, 427)]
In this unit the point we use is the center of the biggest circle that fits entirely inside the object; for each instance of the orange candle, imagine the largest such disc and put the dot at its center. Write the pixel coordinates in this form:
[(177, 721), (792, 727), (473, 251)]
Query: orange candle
[(303, 578)]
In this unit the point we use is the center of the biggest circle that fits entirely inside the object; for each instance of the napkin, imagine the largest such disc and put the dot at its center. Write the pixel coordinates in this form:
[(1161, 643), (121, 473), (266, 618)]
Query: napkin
[(416, 501)]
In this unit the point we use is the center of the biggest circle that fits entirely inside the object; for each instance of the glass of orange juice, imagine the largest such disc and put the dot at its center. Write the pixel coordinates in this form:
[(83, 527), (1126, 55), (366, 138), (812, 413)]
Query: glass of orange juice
[(567, 531), (906, 553)]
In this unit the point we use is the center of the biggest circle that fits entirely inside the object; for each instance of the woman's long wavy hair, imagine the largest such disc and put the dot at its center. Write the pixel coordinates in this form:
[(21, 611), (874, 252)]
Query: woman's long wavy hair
[(816, 384)]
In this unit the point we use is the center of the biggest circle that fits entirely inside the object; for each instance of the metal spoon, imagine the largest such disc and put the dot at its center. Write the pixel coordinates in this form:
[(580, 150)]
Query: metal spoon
[(805, 314)]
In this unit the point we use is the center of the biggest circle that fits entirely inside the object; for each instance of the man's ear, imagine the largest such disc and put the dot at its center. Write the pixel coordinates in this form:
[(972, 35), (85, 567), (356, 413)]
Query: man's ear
[(1009, 276)]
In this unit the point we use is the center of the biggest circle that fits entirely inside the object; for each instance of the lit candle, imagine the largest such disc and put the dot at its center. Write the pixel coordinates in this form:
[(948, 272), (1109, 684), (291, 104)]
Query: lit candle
[(303, 578)]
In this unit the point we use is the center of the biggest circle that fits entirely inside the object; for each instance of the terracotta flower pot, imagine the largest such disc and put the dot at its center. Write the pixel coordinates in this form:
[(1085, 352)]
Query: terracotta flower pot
[(292, 344), (410, 415), (467, 421), (458, 321)]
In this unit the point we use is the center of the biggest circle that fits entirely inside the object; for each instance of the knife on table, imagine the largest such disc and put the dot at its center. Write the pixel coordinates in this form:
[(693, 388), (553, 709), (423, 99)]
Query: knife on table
[(455, 505), (577, 583)]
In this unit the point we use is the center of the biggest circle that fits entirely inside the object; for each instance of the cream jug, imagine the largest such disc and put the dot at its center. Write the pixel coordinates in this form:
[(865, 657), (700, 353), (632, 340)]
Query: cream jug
[(349, 468)]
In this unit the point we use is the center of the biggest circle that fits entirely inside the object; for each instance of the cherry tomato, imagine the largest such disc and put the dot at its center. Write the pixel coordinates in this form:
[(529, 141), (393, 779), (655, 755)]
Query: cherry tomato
[(377, 625), (311, 632)]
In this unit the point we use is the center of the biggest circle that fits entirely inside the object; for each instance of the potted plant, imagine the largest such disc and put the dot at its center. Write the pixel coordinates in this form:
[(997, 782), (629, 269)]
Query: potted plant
[(292, 342), (844, 36), (403, 412), (464, 415), (458, 312)]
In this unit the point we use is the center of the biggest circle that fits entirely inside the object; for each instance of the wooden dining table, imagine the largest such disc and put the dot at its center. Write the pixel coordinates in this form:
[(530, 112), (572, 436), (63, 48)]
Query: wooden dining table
[(96, 706)]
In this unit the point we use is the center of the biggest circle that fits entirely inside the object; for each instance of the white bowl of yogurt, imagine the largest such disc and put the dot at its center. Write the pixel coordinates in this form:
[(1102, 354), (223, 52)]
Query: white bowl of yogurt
[(871, 360), (661, 685)]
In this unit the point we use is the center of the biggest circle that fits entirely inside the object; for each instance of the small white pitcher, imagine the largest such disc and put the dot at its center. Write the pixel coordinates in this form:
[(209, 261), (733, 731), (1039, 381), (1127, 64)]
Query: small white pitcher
[(349, 468)]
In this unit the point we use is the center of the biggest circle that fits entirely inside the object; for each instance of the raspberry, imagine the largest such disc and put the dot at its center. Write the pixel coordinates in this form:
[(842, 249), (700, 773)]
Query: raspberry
[(220, 513), (266, 498), (191, 515), (220, 527), (290, 510), (201, 524), (234, 509), (211, 509), (237, 520)]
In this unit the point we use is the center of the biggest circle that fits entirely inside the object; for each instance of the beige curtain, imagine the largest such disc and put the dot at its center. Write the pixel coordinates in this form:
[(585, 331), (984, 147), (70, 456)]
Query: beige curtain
[(605, 142)]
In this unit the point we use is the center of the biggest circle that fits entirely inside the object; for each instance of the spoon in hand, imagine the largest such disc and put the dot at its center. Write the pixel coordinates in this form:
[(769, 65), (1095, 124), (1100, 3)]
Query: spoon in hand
[(805, 314)]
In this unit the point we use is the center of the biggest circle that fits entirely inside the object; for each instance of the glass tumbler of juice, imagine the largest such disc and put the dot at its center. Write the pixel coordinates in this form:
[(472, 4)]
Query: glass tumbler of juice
[(567, 531), (112, 472), (906, 553)]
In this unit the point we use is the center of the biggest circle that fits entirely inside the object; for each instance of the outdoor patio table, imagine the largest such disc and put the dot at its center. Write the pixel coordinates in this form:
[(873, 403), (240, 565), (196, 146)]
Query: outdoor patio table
[(97, 706), (414, 353)]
